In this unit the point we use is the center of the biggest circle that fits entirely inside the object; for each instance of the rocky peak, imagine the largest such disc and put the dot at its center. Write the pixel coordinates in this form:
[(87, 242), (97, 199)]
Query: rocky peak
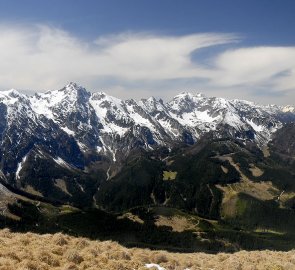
[(288, 109), (77, 92), (11, 96)]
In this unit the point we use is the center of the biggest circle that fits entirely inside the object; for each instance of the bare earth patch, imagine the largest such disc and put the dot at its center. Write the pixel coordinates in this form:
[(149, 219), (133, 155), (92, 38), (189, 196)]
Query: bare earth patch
[(61, 252), (224, 169), (61, 184), (256, 171)]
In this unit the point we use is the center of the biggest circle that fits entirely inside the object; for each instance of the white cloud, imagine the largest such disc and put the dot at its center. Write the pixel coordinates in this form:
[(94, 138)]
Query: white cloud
[(141, 64), (140, 57), (258, 66), (41, 57)]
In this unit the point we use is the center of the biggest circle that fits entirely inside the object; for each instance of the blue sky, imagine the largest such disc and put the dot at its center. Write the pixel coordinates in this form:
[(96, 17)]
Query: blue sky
[(133, 49)]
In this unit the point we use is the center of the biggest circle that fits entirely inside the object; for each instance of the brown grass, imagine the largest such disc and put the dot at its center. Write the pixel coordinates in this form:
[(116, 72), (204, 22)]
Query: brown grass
[(43, 252), (61, 184), (265, 151), (224, 169), (131, 217), (255, 170), (169, 175), (177, 223), (263, 190), (33, 191)]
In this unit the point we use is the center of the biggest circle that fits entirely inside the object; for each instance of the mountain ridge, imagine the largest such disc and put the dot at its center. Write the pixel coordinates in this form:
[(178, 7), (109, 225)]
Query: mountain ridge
[(44, 103), (74, 85), (113, 127)]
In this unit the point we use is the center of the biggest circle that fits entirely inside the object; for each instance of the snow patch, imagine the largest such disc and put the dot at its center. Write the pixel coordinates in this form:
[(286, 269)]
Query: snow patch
[(151, 265), (104, 104), (168, 128), (82, 146), (158, 267), (68, 131), (19, 167), (256, 127), (108, 173), (138, 119), (81, 187), (62, 163)]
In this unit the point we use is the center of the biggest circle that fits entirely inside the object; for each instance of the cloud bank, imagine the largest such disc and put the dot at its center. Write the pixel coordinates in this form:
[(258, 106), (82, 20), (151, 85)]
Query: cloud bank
[(133, 65)]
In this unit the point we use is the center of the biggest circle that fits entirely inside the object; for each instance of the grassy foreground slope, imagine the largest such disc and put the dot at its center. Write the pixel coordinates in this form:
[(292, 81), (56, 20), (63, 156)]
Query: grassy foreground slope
[(58, 251)]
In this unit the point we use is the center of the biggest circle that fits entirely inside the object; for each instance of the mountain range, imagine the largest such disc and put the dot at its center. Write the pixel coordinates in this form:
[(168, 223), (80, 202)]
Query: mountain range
[(104, 125), (200, 158)]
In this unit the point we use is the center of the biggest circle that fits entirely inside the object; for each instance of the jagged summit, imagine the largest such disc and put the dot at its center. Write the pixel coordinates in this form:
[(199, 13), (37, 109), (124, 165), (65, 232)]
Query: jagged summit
[(74, 85), (11, 95), (288, 108), (11, 92), (74, 88), (186, 94)]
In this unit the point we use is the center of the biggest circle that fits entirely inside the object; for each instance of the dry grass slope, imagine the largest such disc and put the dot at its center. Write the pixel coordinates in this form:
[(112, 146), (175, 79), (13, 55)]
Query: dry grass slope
[(41, 252), (177, 223)]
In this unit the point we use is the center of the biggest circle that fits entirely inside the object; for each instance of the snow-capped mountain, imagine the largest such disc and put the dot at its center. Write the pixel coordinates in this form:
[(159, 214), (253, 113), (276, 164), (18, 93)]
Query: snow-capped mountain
[(106, 124), (72, 123), (23, 130)]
